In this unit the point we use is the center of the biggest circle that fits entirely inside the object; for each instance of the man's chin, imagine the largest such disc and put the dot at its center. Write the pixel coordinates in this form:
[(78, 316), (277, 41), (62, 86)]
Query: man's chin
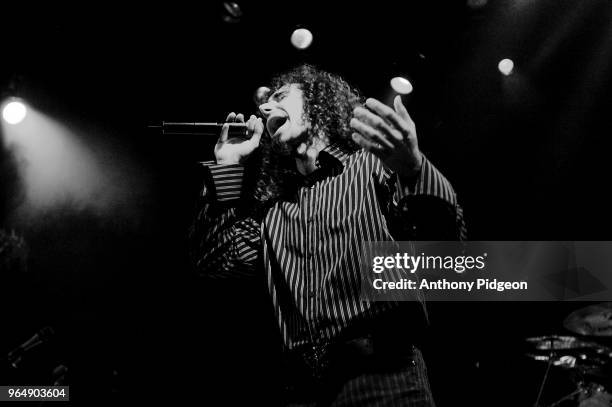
[(287, 145), (280, 146)]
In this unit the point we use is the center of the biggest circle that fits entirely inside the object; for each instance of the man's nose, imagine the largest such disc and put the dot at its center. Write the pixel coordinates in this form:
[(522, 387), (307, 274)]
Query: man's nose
[(266, 109)]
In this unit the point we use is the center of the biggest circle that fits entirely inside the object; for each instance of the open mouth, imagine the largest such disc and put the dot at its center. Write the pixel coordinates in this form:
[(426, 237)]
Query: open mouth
[(275, 123)]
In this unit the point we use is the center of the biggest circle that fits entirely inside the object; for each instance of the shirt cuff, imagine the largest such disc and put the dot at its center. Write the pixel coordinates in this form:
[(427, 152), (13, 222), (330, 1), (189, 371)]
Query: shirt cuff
[(429, 181), (226, 180)]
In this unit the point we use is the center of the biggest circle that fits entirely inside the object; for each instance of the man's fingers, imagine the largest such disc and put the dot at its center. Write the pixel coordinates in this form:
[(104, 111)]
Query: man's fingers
[(255, 129), (388, 114), (368, 145), (258, 129), (225, 128), (370, 133), (371, 119), (400, 109), (251, 123)]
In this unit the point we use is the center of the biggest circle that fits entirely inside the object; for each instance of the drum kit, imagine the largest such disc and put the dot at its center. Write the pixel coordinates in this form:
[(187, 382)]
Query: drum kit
[(586, 357)]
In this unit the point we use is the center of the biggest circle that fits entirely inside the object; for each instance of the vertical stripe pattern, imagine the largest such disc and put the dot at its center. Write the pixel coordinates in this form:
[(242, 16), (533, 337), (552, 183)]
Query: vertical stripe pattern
[(310, 245)]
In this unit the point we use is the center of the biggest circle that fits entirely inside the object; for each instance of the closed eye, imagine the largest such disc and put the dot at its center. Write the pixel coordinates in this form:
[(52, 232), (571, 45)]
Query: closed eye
[(279, 95)]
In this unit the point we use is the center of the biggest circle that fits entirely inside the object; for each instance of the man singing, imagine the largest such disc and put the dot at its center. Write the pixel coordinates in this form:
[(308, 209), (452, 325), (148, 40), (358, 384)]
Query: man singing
[(331, 172)]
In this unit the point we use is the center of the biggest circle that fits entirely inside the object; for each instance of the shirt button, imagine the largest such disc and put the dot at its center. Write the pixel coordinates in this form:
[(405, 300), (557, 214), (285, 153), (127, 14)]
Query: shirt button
[(311, 294)]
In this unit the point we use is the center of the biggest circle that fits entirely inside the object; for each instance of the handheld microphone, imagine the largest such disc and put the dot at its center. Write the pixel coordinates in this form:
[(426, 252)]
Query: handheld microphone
[(198, 128)]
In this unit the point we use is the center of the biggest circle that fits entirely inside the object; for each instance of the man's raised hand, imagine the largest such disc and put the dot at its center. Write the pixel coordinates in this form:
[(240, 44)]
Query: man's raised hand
[(235, 150)]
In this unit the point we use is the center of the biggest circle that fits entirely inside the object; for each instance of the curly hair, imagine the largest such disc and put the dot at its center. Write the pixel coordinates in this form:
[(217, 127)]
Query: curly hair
[(328, 106)]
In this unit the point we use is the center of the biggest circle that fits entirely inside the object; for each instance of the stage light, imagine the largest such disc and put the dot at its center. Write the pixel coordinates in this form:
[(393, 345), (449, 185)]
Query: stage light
[(301, 38), (261, 95), (401, 85), (505, 66), (14, 112), (64, 166), (232, 12)]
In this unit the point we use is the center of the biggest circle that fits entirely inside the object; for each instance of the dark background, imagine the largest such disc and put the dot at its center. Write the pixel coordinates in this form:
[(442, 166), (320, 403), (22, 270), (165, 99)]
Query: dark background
[(527, 153)]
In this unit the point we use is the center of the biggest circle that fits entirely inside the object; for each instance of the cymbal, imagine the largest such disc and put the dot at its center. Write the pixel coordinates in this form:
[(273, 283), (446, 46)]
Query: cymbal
[(595, 357), (559, 342), (571, 353), (565, 361), (585, 364), (594, 320)]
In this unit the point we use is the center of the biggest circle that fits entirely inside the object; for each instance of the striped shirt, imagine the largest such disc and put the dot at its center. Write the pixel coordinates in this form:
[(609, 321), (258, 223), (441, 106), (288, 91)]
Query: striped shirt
[(310, 245)]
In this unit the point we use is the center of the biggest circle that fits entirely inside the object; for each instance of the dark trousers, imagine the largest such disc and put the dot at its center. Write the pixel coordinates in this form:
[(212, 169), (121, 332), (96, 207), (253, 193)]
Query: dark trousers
[(396, 378)]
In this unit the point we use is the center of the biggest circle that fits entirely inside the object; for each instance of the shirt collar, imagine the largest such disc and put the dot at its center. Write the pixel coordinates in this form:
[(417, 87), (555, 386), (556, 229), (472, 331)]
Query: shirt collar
[(334, 151), (330, 162), (334, 155)]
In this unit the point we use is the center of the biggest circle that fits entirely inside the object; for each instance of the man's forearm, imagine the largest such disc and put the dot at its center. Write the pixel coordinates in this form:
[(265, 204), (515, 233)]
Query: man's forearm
[(224, 243)]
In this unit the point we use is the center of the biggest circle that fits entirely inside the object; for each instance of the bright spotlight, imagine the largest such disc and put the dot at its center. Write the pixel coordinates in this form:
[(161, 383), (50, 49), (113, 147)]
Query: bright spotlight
[(233, 13), (505, 66), (261, 95), (401, 85), (14, 112), (301, 38)]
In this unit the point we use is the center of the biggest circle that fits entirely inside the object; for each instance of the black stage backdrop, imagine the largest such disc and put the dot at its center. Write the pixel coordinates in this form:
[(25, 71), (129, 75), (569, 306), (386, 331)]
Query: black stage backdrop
[(108, 268)]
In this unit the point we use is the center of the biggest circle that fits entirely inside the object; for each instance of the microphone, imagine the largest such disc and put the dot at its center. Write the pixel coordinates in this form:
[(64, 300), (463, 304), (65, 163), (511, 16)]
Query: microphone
[(40, 337), (199, 128)]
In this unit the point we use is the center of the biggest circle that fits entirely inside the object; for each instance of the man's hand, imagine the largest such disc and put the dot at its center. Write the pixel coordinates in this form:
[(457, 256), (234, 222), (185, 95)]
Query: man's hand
[(235, 150), (389, 134)]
